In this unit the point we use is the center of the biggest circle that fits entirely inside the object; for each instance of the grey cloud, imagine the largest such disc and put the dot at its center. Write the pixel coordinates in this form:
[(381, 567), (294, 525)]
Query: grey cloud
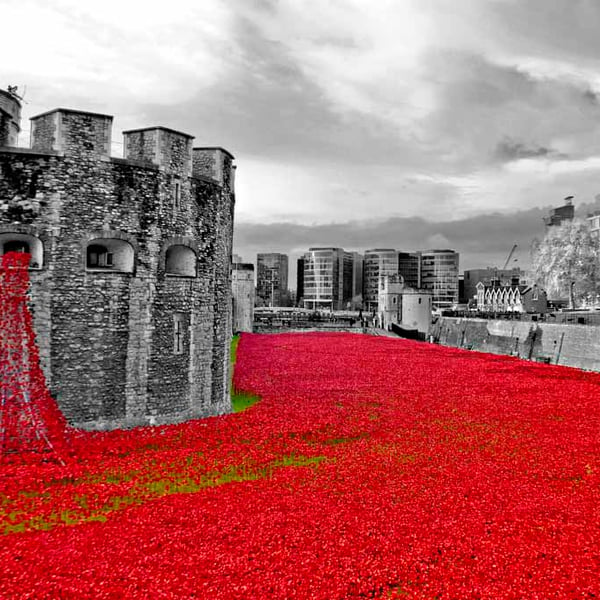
[(508, 150), (265, 106), (559, 28), (481, 105)]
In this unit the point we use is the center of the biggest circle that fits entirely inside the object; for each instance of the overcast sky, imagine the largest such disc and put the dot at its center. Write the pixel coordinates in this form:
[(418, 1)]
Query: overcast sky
[(402, 123)]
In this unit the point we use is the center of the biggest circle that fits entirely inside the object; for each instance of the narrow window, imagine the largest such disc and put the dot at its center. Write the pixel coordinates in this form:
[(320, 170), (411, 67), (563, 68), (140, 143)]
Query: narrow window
[(177, 333), (176, 195)]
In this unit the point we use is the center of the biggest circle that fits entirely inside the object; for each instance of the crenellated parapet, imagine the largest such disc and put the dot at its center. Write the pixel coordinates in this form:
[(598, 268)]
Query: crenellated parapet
[(215, 163), (170, 150), (71, 132)]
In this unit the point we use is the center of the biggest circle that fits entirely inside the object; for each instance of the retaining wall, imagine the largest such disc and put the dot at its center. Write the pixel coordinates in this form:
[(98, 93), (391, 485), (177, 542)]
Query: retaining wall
[(569, 345)]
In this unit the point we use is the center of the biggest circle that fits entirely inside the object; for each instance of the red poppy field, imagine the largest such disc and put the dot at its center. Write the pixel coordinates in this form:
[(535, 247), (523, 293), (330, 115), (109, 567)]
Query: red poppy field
[(372, 467)]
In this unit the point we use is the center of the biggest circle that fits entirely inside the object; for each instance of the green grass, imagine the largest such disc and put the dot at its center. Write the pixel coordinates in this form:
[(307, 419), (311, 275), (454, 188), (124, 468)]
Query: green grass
[(239, 400), (173, 479)]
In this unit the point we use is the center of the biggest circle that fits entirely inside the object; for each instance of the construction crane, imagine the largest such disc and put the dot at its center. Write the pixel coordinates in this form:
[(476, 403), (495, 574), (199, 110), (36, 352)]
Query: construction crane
[(510, 255)]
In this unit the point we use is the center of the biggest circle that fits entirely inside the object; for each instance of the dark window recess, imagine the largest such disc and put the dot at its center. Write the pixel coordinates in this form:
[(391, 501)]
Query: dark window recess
[(16, 246), (98, 257), (176, 195)]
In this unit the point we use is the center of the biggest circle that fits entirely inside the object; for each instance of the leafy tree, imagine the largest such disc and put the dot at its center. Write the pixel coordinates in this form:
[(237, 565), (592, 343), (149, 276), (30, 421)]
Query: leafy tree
[(565, 262)]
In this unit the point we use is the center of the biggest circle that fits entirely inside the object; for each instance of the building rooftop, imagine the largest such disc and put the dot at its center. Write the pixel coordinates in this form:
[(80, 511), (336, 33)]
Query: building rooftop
[(140, 129), (71, 111)]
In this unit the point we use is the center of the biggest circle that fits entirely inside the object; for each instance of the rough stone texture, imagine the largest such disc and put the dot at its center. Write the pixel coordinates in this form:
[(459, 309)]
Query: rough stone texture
[(106, 337), (171, 150), (568, 345)]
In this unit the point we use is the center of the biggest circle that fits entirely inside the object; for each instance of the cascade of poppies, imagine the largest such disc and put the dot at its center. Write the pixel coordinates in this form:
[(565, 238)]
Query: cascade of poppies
[(31, 424)]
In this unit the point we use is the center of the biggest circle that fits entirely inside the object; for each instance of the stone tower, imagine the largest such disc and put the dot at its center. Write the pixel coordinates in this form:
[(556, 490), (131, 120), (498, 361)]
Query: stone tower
[(130, 269), (389, 305), (10, 118)]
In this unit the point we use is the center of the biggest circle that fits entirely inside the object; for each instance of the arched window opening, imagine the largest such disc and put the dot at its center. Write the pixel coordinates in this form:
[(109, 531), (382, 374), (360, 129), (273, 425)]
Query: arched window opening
[(180, 260), (23, 242), (109, 254)]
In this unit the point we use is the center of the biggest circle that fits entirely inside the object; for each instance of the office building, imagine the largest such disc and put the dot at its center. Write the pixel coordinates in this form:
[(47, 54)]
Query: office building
[(562, 214), (377, 263), (439, 274), (300, 281), (357, 280), (271, 279), (409, 267), (327, 279)]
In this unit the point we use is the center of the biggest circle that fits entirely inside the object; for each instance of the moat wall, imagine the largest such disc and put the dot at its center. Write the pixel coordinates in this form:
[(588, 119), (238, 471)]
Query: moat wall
[(569, 345)]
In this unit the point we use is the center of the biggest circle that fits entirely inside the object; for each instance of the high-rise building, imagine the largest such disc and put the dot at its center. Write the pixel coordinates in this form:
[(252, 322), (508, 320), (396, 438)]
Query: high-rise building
[(558, 216), (271, 279), (327, 278), (439, 273), (409, 266), (377, 263), (300, 281), (357, 280)]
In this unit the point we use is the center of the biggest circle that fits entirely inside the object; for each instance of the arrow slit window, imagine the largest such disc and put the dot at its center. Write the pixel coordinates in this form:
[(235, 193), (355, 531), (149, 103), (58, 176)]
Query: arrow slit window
[(178, 322)]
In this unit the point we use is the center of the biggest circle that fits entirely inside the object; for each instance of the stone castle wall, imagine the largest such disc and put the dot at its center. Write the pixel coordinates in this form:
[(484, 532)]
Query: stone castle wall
[(108, 337)]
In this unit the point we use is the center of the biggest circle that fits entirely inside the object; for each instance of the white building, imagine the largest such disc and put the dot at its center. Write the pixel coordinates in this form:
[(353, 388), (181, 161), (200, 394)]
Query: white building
[(416, 310), (242, 287), (389, 301)]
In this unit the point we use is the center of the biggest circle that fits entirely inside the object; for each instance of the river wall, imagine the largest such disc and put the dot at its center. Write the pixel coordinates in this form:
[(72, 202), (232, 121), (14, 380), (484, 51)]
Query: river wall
[(561, 344)]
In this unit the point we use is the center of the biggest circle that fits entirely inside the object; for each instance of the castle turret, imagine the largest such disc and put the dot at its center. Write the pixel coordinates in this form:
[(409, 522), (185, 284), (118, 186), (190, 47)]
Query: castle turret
[(169, 149), (71, 132), (10, 118), (216, 163)]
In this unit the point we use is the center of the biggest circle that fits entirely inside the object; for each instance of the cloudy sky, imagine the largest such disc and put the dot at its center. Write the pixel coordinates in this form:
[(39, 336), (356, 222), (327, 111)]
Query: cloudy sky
[(397, 123)]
